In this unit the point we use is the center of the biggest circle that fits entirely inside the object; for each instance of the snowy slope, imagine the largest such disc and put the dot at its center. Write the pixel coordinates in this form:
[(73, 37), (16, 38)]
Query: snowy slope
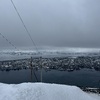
[(41, 91), (13, 55)]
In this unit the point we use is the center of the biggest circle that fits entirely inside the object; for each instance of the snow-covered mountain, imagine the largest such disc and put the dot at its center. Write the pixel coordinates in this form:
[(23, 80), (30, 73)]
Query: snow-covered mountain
[(48, 52)]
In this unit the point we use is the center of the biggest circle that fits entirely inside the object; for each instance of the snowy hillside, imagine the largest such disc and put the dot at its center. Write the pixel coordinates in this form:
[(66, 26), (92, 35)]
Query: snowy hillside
[(41, 91), (47, 52)]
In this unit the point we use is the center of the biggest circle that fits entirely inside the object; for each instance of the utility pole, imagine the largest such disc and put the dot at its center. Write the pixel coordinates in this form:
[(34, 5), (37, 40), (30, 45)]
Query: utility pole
[(31, 67), (41, 75)]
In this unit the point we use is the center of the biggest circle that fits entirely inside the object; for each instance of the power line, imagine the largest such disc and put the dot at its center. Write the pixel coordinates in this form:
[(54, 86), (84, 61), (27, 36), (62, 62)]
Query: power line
[(35, 75), (9, 41), (24, 25), (27, 31)]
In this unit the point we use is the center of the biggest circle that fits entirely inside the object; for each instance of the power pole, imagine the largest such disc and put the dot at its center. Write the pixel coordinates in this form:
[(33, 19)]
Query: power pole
[(31, 67), (41, 75)]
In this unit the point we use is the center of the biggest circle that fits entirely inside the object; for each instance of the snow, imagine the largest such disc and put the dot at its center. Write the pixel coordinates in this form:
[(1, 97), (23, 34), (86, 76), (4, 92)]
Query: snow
[(96, 96), (57, 52), (42, 91)]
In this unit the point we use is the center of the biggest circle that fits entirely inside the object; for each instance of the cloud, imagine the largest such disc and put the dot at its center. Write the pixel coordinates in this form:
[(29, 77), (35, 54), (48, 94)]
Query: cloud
[(68, 23)]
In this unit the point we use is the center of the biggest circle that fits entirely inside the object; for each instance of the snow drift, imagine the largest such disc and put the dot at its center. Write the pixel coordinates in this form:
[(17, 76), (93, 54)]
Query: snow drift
[(41, 91)]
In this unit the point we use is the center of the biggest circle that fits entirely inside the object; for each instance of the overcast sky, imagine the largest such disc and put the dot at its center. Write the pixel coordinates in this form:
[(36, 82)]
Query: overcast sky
[(59, 23)]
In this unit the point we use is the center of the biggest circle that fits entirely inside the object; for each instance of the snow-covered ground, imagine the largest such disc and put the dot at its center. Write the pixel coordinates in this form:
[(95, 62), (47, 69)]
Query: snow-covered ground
[(42, 91)]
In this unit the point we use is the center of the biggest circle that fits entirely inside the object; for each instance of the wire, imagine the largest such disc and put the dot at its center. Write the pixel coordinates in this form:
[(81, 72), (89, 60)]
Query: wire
[(27, 31), (35, 75), (9, 41), (24, 25)]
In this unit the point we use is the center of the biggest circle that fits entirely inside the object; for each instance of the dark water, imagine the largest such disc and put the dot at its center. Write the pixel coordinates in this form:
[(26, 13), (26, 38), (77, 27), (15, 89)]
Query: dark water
[(83, 77)]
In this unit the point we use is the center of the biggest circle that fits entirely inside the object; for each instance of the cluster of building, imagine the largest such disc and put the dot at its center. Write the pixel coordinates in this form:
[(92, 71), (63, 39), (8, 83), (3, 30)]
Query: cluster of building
[(91, 90), (58, 63)]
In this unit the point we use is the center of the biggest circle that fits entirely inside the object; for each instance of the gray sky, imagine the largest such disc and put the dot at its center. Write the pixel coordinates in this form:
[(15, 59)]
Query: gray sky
[(60, 23)]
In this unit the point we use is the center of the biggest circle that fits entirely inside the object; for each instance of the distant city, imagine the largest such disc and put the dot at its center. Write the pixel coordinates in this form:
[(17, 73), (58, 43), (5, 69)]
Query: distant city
[(58, 63)]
